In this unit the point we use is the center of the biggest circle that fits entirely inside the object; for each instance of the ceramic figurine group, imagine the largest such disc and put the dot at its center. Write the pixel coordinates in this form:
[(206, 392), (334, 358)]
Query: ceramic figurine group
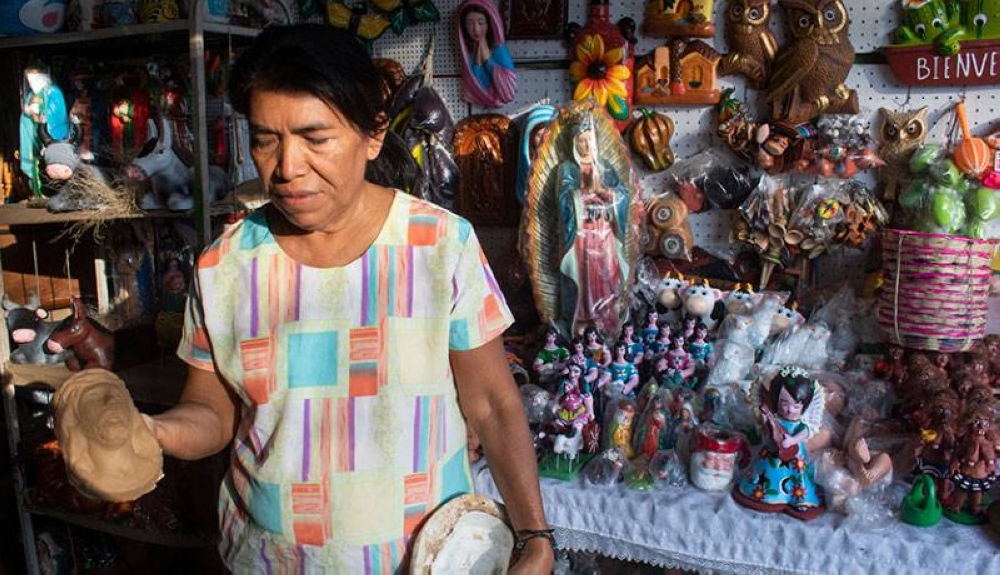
[(949, 400)]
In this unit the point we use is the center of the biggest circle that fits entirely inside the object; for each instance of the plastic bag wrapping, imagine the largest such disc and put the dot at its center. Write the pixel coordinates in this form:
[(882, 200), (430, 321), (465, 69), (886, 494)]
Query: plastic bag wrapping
[(753, 328), (805, 345), (668, 469), (870, 508), (842, 313), (733, 362), (711, 179), (605, 469)]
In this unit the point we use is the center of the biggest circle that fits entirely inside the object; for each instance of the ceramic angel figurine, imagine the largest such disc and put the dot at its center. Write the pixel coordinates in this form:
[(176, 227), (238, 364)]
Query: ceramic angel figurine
[(781, 478), (487, 69), (581, 224)]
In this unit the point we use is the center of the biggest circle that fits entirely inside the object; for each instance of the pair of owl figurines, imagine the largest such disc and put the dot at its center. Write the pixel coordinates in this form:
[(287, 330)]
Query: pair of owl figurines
[(805, 77)]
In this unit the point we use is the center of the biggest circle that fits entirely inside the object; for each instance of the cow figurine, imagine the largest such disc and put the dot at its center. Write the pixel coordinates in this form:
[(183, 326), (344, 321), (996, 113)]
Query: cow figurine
[(786, 317), (30, 332), (92, 345), (704, 303), (668, 297), (171, 179)]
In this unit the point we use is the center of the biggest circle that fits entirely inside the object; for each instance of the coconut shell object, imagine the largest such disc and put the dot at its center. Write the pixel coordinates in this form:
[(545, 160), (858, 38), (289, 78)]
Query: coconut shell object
[(469, 534)]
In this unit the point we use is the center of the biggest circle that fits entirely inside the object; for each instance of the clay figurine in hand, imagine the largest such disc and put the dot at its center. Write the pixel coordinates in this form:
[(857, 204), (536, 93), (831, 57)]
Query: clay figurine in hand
[(781, 478), (92, 345), (110, 451), (487, 69), (973, 466), (809, 72), (551, 359)]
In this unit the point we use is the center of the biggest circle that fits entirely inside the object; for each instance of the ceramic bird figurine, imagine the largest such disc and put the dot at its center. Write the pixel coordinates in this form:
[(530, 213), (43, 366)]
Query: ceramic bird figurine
[(751, 42), (809, 73), (901, 132)]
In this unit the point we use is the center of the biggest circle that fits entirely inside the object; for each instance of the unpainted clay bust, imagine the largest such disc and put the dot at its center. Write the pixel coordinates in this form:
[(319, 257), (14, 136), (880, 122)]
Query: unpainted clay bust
[(110, 452)]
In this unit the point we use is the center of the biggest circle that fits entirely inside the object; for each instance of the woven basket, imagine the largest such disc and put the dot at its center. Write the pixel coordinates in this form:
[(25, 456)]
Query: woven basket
[(935, 291)]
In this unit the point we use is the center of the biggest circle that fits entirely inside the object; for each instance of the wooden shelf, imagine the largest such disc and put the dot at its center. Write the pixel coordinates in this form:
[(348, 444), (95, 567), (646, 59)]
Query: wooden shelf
[(123, 32), (21, 215), (98, 523), (158, 382)]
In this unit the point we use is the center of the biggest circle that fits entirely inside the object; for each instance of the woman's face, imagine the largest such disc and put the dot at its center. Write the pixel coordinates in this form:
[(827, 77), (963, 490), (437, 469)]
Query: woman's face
[(310, 158), (476, 25), (788, 408)]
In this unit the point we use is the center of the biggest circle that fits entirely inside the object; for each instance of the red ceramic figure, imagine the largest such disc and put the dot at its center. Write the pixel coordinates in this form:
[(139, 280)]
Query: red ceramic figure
[(91, 344)]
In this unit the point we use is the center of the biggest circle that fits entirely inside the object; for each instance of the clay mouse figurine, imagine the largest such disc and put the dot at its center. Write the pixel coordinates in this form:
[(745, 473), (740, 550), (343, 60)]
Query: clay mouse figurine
[(92, 345)]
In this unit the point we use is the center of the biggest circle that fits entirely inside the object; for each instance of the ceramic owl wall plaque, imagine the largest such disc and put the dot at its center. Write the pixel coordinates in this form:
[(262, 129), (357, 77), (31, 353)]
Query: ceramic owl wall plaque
[(751, 42), (900, 132), (810, 69)]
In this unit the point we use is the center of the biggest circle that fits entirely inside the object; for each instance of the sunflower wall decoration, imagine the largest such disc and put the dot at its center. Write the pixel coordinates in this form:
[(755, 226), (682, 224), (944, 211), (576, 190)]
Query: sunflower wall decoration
[(602, 65)]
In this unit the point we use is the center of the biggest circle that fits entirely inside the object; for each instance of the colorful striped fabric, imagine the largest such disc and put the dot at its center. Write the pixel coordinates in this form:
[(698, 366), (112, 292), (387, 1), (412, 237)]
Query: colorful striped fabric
[(350, 431)]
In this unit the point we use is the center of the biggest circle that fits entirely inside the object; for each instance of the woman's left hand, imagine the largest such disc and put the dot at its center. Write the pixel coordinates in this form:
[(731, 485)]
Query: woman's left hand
[(537, 558)]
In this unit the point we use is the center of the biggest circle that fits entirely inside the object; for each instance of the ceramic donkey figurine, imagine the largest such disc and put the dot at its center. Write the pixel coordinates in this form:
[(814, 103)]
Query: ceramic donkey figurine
[(92, 345)]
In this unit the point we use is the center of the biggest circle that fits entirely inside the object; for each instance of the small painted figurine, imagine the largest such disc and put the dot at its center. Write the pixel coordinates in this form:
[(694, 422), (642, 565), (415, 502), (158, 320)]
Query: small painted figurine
[(623, 375), (688, 327), (659, 348), (595, 348), (44, 117), (973, 469), (673, 377), (551, 359), (647, 436), (934, 455), (620, 427), (751, 42), (781, 478), (636, 348), (574, 405), (652, 329), (701, 350), (679, 352), (579, 357), (487, 69)]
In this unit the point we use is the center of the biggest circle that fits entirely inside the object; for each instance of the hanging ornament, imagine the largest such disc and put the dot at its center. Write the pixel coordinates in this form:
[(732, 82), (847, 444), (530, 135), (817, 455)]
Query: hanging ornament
[(602, 64)]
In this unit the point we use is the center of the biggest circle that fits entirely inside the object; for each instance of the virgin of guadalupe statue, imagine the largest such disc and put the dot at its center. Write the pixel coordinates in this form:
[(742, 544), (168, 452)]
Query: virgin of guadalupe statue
[(487, 69), (583, 212)]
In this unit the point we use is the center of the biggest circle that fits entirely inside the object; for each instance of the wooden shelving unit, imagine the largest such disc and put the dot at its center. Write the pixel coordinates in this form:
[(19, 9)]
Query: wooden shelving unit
[(155, 385)]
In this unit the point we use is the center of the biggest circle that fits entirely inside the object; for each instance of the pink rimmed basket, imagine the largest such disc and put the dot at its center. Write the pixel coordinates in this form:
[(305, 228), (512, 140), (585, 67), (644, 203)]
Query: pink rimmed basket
[(934, 295)]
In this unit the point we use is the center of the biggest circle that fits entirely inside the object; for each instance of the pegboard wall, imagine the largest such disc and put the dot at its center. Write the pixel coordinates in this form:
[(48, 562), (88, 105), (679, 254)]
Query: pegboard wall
[(542, 73)]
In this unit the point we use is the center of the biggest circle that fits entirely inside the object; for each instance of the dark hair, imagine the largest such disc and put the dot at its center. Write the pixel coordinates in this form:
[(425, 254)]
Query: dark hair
[(330, 64), (798, 385)]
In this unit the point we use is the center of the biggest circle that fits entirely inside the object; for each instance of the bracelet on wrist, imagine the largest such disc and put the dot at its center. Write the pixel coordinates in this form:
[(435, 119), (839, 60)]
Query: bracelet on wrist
[(525, 535)]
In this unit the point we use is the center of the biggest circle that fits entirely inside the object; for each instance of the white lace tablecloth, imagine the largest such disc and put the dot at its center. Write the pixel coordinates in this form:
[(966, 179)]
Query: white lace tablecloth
[(703, 531)]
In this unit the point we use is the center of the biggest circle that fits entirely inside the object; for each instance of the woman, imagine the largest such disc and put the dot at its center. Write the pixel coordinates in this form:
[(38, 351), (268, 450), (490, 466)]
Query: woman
[(330, 334), (487, 68), (593, 207)]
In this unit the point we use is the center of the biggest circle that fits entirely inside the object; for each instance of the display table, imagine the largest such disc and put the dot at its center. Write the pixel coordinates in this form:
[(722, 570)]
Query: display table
[(691, 529)]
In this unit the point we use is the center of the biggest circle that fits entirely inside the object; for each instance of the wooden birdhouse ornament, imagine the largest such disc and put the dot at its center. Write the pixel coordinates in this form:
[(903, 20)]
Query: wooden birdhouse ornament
[(683, 72)]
